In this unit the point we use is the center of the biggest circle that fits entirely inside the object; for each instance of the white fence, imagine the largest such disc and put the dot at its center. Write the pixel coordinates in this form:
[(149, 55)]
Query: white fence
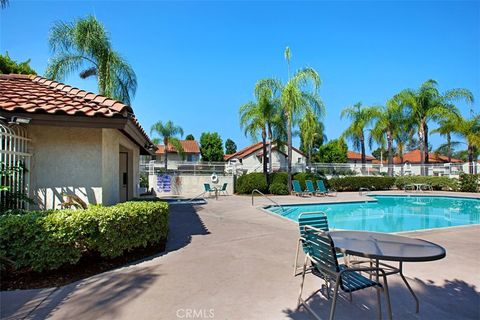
[(328, 169)]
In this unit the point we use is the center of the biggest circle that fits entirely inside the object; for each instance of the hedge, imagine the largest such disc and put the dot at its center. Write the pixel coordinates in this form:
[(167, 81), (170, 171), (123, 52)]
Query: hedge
[(469, 182), (355, 183), (247, 183), (47, 240), (278, 188), (437, 183)]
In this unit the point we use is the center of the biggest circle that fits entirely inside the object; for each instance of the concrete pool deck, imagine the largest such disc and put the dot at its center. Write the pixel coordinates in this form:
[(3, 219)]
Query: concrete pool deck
[(229, 260)]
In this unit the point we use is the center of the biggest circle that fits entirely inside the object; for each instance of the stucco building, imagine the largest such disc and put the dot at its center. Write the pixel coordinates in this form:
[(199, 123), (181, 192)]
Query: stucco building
[(77, 142)]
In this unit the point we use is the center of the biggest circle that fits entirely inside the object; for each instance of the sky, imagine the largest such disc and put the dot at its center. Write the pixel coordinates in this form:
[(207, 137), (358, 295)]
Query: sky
[(197, 62)]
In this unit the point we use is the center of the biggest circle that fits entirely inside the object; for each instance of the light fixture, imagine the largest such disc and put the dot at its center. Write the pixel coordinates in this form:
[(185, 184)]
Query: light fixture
[(19, 120)]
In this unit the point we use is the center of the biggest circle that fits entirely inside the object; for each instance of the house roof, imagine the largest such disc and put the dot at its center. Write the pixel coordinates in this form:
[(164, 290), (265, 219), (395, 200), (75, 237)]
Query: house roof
[(414, 156), (251, 149), (37, 95), (189, 146), (351, 155)]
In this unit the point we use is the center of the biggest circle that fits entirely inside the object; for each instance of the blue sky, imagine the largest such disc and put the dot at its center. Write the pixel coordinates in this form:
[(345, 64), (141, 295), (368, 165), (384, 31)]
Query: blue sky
[(197, 62)]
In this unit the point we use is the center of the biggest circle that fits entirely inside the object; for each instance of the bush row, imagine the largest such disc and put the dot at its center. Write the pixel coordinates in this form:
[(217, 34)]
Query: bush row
[(278, 182), (46, 240), (355, 183)]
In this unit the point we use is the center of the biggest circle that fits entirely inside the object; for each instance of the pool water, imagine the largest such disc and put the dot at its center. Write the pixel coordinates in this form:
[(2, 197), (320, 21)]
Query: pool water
[(393, 213)]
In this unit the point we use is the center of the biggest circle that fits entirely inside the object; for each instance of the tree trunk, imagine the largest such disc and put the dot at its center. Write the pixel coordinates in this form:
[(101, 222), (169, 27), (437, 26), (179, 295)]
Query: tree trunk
[(264, 150), (270, 136), (390, 153), (289, 154), (425, 130), (470, 159), (364, 159), (421, 142), (165, 142), (449, 147)]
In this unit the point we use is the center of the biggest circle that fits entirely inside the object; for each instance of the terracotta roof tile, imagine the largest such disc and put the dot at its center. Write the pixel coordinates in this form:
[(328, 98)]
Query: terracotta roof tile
[(189, 146), (351, 155), (251, 149), (35, 94), (414, 156)]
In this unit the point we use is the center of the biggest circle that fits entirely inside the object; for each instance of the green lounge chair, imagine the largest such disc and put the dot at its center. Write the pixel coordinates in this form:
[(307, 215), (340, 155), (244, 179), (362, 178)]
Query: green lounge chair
[(324, 264), (208, 189), (224, 189), (323, 190), (311, 188), (297, 189)]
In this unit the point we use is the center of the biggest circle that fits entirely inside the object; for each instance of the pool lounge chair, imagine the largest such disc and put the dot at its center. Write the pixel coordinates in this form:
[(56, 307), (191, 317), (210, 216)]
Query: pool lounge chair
[(322, 189), (322, 261), (208, 189), (297, 189), (224, 189), (311, 188)]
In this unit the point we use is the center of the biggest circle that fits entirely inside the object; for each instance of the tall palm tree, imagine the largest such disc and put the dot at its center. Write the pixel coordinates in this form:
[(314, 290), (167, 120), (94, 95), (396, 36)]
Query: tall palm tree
[(168, 133), (469, 129), (262, 115), (428, 104), (360, 118), (389, 125), (84, 45), (298, 97)]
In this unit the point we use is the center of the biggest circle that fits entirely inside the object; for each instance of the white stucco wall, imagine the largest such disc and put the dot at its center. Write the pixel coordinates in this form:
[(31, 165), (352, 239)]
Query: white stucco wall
[(190, 185), (65, 160), (82, 161)]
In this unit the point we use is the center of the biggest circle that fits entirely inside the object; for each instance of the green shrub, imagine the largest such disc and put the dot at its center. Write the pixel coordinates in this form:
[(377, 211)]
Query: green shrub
[(278, 188), (302, 176), (469, 182), (278, 177), (247, 183), (355, 183), (437, 183), (46, 240)]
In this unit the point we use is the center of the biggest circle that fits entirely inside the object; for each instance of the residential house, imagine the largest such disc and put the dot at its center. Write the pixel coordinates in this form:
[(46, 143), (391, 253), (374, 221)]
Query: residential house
[(71, 142), (191, 152)]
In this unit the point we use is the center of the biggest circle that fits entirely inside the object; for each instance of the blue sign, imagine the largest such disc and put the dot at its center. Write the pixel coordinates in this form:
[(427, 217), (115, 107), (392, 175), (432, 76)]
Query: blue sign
[(164, 183)]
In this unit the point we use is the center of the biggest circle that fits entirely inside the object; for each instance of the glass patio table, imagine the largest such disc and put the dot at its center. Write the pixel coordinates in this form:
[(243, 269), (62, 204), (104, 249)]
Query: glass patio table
[(387, 247)]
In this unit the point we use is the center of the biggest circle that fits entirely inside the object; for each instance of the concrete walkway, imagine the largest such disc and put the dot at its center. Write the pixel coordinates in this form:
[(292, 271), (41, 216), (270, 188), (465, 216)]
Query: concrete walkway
[(229, 260)]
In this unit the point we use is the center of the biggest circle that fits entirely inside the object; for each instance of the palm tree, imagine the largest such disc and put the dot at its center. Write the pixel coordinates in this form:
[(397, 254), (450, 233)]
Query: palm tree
[(360, 118), (167, 132), (427, 104), (263, 116), (298, 97), (85, 45), (447, 126), (311, 130), (469, 129), (390, 126)]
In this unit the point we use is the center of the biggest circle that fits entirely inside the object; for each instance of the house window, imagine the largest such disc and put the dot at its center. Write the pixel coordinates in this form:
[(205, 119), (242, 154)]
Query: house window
[(191, 158), (299, 160)]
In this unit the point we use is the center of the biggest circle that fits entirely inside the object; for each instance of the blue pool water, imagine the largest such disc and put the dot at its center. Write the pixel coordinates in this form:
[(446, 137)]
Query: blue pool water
[(393, 213)]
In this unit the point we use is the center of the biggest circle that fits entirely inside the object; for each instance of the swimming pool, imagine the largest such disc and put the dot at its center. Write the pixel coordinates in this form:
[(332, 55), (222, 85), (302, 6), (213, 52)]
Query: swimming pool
[(393, 213)]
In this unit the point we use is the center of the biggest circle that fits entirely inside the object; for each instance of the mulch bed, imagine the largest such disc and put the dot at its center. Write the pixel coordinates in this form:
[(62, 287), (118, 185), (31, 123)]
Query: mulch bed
[(88, 265)]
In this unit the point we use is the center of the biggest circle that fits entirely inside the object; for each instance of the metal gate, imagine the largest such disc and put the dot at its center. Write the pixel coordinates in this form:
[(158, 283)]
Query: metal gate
[(14, 166)]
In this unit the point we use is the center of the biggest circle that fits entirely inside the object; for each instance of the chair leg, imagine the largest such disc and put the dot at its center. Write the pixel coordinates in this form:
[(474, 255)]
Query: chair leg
[(334, 302), (387, 297), (379, 303), (303, 280)]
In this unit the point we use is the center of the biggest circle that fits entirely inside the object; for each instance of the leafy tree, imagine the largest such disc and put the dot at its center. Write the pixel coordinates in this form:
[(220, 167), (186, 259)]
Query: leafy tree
[(85, 45), (298, 97), (311, 134), (469, 129), (388, 125), (3, 4), (461, 154), (168, 133), (262, 116), (190, 137), (447, 126), (427, 104), (211, 146), (230, 146), (360, 117), (334, 151), (7, 65)]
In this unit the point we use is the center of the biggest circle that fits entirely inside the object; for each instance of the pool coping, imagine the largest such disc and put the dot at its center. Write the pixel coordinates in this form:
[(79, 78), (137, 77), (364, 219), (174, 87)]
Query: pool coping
[(264, 209)]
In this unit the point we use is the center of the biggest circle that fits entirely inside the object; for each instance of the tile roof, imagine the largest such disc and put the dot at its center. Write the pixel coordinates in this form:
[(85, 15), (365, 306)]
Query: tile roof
[(351, 155), (35, 94), (251, 149), (189, 146), (414, 156)]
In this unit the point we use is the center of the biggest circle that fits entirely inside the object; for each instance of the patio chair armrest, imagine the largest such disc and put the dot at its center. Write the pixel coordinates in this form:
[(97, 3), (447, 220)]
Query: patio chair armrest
[(363, 270)]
